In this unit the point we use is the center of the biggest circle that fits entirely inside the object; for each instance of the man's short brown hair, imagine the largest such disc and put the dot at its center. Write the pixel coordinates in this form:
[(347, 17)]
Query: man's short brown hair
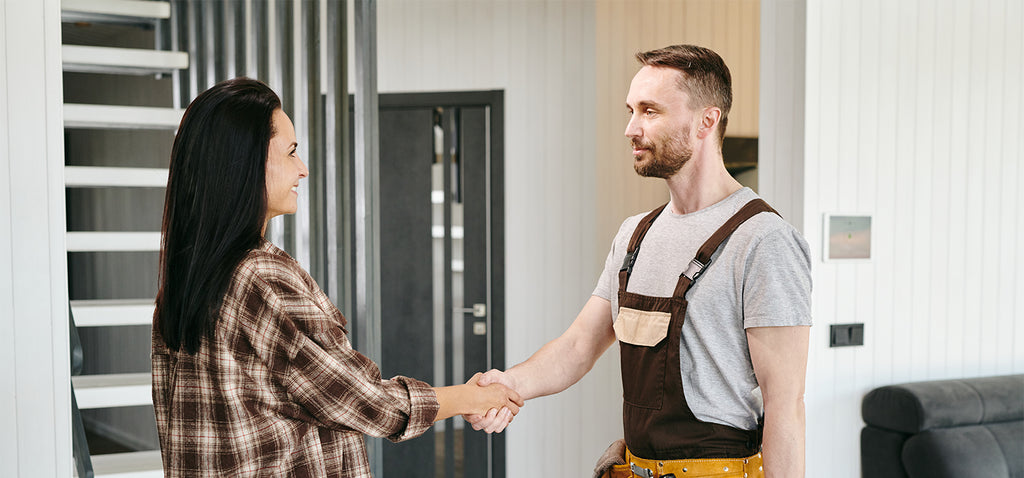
[(704, 76)]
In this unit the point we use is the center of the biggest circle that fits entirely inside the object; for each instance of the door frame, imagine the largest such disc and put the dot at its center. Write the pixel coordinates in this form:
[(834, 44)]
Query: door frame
[(493, 99)]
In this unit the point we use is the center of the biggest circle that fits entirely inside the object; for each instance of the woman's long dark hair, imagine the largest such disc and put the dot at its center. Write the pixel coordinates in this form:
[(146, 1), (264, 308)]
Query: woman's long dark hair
[(215, 207)]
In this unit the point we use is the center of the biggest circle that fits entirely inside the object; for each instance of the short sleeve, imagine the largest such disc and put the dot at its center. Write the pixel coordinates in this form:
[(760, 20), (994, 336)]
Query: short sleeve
[(777, 281), (607, 284)]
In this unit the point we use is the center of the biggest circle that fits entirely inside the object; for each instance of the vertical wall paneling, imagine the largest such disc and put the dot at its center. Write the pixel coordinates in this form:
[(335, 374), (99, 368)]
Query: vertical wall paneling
[(913, 116), (880, 332), (8, 375), (958, 100), (1012, 179), (937, 205), (35, 438)]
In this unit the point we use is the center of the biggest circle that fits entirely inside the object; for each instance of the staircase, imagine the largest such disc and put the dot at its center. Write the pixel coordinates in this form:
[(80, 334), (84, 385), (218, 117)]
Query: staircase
[(101, 20)]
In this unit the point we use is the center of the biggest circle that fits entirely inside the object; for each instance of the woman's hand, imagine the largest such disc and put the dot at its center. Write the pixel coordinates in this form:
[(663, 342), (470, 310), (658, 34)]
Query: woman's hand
[(494, 396), (471, 399)]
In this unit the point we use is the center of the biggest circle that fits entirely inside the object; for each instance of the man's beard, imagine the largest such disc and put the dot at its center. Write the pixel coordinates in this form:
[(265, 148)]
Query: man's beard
[(666, 159)]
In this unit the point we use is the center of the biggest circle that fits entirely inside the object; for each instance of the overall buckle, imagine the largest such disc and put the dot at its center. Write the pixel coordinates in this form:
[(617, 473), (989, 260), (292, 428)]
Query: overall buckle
[(641, 472), (694, 270), (629, 260)]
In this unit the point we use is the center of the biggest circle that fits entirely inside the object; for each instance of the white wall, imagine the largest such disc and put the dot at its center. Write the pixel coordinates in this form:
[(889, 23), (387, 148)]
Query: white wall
[(35, 397), (913, 115)]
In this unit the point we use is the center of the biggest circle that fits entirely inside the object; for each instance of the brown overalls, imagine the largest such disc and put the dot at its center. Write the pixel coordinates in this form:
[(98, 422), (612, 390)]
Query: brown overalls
[(657, 421)]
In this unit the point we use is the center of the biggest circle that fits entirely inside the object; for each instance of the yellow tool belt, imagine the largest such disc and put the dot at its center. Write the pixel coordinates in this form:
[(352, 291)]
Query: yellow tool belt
[(749, 467)]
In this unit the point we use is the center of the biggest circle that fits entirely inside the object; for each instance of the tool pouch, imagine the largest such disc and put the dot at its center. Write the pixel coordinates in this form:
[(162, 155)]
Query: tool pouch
[(612, 463)]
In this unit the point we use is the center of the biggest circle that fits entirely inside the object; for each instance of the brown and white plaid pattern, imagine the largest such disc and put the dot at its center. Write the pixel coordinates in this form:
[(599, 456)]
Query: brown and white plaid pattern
[(279, 391)]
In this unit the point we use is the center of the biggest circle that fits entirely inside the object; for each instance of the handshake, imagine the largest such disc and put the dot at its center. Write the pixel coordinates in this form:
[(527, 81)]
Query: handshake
[(498, 402)]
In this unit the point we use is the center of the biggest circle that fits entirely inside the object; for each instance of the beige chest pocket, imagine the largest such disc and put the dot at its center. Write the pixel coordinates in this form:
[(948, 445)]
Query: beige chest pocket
[(641, 327)]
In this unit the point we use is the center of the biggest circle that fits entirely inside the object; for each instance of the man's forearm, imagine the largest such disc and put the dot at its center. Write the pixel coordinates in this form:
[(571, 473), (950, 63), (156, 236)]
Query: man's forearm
[(783, 448), (554, 368), (566, 359)]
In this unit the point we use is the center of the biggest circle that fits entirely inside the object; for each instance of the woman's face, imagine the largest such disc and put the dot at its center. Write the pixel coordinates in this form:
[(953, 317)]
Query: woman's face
[(284, 168)]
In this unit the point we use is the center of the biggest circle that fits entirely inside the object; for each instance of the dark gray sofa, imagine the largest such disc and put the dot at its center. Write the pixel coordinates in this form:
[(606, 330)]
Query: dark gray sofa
[(967, 428)]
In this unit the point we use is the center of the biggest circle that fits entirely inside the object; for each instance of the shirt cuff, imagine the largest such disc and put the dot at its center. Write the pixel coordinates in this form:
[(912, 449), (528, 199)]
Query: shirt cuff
[(423, 408)]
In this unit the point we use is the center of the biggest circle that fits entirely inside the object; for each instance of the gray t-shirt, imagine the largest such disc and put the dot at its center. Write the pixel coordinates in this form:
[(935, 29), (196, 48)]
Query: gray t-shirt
[(760, 277)]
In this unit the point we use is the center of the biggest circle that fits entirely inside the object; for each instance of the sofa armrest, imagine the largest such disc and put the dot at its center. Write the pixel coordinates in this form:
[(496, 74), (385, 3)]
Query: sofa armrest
[(880, 453)]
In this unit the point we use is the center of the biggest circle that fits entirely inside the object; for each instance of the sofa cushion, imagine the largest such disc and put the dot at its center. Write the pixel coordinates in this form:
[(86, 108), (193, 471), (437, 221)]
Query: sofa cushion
[(977, 450), (914, 407)]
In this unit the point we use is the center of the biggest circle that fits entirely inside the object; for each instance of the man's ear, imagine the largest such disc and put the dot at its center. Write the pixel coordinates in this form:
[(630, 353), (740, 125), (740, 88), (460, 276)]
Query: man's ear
[(708, 121)]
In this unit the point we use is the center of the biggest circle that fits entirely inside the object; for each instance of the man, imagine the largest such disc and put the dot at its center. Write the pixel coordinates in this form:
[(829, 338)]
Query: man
[(732, 329)]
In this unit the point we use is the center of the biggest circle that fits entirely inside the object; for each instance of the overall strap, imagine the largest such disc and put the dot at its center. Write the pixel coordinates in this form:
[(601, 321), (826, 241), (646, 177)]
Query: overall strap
[(634, 246), (703, 258)]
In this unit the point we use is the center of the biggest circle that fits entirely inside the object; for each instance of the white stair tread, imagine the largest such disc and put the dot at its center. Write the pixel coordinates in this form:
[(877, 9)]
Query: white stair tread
[(121, 60), (118, 8), (122, 117), (113, 390), (113, 241), (101, 313), (139, 464), (97, 176)]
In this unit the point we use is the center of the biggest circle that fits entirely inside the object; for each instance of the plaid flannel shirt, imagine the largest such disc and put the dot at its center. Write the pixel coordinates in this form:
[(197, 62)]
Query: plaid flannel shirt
[(279, 391)]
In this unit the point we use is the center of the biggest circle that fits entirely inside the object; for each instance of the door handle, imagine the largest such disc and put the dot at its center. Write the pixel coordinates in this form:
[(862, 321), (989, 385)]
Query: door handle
[(478, 310)]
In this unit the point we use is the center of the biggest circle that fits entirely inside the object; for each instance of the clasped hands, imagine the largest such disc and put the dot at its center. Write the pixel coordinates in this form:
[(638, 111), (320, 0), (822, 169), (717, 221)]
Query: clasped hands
[(495, 420)]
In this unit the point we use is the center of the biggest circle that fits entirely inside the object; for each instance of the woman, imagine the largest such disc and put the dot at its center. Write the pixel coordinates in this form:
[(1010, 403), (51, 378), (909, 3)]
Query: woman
[(253, 373)]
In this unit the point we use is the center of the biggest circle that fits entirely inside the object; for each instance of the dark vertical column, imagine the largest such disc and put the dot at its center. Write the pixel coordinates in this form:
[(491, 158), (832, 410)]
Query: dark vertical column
[(337, 167), (473, 165), (406, 269), (496, 256), (315, 151), (211, 44), (449, 120), (367, 194)]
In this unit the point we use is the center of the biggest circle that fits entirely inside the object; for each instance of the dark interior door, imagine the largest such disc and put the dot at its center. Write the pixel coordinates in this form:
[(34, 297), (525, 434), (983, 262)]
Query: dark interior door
[(442, 256)]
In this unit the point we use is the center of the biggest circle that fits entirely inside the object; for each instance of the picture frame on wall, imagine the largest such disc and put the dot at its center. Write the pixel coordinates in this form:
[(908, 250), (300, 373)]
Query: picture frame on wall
[(847, 237)]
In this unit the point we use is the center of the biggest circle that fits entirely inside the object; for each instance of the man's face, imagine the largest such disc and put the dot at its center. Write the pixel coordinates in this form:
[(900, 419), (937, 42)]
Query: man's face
[(659, 122)]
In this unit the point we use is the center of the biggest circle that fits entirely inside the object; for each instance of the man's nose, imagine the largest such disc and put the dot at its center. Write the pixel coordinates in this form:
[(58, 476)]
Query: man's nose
[(633, 129)]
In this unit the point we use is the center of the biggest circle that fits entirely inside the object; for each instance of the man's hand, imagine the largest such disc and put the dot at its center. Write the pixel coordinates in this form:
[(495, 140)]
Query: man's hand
[(494, 421), (555, 367)]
